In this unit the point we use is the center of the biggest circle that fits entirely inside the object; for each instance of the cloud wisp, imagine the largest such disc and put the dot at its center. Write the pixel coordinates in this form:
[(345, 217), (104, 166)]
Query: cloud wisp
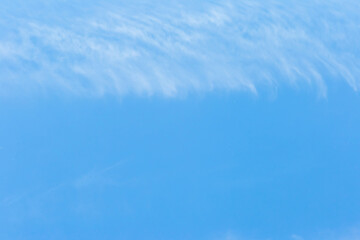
[(178, 47)]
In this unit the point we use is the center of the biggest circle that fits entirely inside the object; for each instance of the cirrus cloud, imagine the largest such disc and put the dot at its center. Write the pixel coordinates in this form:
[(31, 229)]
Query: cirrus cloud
[(99, 48)]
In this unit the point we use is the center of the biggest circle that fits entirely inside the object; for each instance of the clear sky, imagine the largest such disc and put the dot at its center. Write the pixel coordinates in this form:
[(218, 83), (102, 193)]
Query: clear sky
[(179, 120)]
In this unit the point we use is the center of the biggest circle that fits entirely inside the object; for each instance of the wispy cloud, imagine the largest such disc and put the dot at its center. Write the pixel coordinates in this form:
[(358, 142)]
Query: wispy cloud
[(91, 178), (96, 177), (178, 47), (296, 237), (349, 233)]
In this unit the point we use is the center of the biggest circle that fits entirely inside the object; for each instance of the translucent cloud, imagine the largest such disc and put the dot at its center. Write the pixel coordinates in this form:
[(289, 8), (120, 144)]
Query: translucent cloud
[(175, 47)]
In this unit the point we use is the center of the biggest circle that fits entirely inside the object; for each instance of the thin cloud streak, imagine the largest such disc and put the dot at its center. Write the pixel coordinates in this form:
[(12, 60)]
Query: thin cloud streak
[(174, 48)]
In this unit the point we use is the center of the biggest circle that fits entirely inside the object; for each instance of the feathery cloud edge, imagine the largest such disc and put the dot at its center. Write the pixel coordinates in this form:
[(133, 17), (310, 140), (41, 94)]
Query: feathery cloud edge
[(173, 48)]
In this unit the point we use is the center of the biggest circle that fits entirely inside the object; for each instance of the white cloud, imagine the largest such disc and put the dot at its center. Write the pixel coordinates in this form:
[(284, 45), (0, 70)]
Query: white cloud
[(178, 47), (96, 177), (296, 237), (349, 233)]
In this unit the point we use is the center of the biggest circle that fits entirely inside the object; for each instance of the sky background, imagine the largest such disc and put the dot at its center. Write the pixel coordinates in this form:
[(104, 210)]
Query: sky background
[(152, 120)]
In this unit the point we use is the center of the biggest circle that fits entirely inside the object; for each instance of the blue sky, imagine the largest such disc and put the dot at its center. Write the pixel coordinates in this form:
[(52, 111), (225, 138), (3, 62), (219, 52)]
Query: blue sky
[(214, 120)]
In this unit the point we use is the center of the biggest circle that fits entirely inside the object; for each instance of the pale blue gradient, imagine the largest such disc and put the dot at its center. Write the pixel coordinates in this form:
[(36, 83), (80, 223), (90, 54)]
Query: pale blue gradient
[(214, 120)]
